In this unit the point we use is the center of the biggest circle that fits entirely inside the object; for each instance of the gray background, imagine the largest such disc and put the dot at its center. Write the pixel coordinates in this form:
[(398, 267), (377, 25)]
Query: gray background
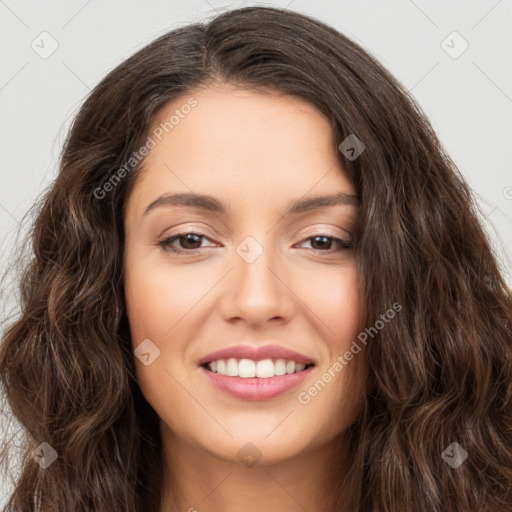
[(468, 97)]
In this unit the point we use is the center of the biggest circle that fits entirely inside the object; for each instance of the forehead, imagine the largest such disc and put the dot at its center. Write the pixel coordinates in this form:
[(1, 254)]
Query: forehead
[(243, 144), (235, 121)]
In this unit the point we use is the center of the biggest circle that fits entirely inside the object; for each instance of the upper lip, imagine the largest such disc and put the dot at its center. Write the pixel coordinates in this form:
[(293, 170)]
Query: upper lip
[(256, 353)]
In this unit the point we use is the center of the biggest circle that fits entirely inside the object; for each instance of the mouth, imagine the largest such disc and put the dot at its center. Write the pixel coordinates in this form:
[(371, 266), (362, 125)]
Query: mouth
[(255, 372), (255, 369), (247, 379)]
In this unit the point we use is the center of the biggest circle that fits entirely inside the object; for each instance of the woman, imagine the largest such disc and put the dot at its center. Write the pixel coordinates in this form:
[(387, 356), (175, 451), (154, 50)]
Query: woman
[(259, 283)]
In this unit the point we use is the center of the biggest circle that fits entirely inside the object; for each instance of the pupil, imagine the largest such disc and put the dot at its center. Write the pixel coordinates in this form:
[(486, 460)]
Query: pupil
[(324, 240), (190, 238)]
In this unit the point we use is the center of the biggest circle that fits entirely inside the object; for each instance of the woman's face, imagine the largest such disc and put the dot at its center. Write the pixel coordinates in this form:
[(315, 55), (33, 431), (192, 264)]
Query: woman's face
[(254, 272)]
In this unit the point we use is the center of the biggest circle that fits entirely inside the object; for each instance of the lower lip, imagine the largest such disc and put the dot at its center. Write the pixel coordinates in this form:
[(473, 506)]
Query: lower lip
[(256, 388)]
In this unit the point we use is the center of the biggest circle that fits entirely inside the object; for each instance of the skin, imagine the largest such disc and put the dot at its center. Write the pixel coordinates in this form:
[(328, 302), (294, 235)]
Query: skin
[(256, 153)]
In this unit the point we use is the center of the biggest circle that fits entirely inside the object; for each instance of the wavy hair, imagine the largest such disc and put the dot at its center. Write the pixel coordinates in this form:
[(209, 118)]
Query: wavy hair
[(439, 373)]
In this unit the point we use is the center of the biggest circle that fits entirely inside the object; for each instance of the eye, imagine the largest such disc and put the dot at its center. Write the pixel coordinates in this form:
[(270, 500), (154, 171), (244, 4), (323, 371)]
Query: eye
[(323, 243), (190, 242)]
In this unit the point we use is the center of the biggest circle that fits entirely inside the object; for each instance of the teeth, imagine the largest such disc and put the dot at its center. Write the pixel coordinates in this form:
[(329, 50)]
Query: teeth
[(280, 367), (232, 367), (265, 369), (247, 368)]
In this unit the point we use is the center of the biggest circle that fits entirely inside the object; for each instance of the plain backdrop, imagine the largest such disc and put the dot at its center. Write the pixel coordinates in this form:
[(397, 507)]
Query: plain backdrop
[(455, 57)]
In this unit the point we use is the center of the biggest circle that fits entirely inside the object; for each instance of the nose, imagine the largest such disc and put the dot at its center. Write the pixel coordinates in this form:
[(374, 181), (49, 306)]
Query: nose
[(257, 291)]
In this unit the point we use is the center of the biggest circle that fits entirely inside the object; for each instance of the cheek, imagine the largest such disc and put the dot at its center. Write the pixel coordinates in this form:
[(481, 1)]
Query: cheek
[(158, 298), (334, 298), (336, 396), (159, 306), (165, 305)]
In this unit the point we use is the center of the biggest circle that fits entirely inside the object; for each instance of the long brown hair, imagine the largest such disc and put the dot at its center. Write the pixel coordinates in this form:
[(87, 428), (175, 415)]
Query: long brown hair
[(439, 373)]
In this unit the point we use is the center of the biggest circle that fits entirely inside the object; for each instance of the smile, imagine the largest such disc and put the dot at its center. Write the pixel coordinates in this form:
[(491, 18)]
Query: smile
[(248, 368), (255, 388)]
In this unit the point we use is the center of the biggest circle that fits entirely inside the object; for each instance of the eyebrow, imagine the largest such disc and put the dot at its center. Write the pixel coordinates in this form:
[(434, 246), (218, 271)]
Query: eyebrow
[(211, 204)]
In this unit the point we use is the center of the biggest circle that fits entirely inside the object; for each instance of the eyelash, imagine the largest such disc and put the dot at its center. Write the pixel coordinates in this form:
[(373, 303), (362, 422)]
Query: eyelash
[(165, 243)]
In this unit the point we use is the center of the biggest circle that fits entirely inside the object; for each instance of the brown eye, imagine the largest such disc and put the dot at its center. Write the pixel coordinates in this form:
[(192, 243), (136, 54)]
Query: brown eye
[(183, 243), (321, 242), (190, 240), (324, 243)]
